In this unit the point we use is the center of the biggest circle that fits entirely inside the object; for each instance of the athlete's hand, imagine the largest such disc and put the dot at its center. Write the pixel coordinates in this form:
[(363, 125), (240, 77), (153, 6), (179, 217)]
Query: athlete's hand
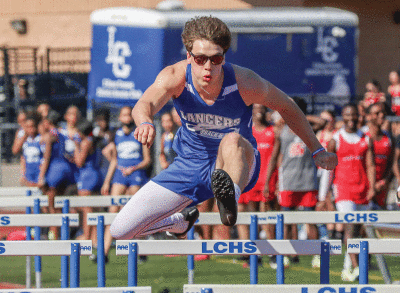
[(145, 133), (380, 185), (326, 160), (128, 171)]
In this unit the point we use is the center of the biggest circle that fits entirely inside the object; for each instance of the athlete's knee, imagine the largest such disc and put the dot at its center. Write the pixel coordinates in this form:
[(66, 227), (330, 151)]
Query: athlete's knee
[(234, 145), (232, 139), (120, 232)]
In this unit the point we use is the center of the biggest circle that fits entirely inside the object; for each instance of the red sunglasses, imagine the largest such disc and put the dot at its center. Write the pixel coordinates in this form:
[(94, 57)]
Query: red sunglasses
[(202, 59)]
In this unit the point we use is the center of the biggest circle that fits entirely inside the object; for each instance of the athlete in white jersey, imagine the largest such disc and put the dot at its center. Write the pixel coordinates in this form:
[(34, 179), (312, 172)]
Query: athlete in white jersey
[(216, 151)]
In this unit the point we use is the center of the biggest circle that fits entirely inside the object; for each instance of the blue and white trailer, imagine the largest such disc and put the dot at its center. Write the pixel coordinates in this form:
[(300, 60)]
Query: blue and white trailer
[(306, 52)]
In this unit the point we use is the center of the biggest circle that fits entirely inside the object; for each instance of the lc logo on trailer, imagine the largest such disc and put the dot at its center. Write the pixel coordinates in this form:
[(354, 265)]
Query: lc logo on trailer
[(117, 52)]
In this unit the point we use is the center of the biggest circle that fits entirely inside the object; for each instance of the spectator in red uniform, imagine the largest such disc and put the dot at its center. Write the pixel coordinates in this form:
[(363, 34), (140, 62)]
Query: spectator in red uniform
[(354, 176), (383, 153), (326, 201)]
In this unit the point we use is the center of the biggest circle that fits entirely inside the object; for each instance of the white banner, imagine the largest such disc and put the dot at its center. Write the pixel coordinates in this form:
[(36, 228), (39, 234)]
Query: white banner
[(375, 246), (41, 247), (260, 247), (41, 220), (211, 288), (92, 201)]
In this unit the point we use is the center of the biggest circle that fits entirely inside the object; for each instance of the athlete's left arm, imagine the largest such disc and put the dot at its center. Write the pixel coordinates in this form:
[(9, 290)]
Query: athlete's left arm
[(256, 90), (82, 151), (388, 175), (145, 163), (48, 143)]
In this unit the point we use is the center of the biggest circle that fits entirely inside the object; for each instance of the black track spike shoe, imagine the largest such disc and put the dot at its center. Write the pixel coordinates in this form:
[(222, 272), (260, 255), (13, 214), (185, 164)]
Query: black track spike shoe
[(224, 191)]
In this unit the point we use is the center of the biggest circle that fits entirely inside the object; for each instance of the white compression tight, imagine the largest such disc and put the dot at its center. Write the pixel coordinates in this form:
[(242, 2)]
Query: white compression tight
[(152, 209)]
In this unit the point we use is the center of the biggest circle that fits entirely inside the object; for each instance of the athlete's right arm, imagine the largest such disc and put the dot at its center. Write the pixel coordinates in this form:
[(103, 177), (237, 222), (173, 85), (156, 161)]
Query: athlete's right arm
[(327, 175), (169, 83), (18, 142), (48, 142)]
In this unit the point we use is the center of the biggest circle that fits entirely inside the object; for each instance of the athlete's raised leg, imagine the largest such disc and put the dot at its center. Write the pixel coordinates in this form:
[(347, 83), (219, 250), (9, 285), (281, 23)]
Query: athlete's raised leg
[(232, 174), (153, 209)]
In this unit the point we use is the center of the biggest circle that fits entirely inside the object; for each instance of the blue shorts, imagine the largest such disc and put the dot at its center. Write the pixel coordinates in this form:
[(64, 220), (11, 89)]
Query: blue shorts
[(137, 178), (58, 173), (192, 178), (74, 173), (89, 179), (32, 176)]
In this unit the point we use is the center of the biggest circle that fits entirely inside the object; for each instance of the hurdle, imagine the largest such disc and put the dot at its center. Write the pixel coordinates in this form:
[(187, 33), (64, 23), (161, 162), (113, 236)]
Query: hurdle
[(366, 246), (102, 219), (43, 220), (65, 202), (40, 248), (71, 248), (278, 218), (211, 288), (220, 247), (366, 218)]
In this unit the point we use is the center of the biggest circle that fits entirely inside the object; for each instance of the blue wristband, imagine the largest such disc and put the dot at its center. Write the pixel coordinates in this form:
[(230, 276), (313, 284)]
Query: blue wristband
[(148, 123), (318, 151)]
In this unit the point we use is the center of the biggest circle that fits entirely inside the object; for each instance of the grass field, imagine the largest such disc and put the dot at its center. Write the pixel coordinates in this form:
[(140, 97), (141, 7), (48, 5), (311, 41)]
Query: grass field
[(171, 272)]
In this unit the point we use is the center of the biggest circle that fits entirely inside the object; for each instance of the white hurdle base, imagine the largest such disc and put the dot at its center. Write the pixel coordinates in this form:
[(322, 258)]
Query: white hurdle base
[(86, 290), (211, 288)]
